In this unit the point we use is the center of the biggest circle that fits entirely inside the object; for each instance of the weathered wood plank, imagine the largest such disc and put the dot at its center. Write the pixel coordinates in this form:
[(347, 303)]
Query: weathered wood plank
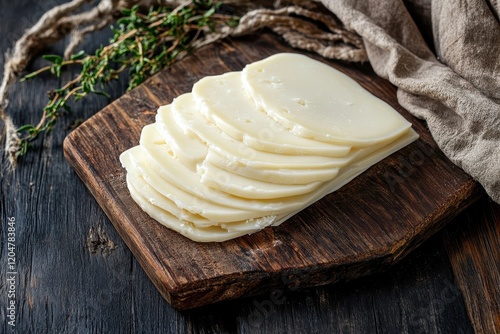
[(473, 246), (413, 296)]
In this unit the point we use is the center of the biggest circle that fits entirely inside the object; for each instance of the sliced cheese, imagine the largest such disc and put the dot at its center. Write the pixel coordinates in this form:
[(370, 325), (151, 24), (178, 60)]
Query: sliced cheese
[(165, 170), (135, 159), (241, 186), (192, 152), (185, 228), (247, 150), (185, 145), (316, 101), (222, 100), (283, 176), (230, 230), (141, 187), (187, 116), (142, 190), (346, 175)]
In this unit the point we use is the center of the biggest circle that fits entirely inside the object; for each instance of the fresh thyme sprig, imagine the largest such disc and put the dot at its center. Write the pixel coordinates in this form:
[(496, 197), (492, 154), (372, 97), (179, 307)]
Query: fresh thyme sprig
[(143, 43)]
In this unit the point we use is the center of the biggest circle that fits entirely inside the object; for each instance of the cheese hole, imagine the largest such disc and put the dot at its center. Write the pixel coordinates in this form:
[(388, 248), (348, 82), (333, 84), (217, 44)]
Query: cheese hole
[(301, 102)]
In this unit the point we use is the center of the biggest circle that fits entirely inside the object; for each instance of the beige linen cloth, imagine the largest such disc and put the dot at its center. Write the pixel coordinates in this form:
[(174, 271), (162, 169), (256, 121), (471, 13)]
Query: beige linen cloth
[(444, 57)]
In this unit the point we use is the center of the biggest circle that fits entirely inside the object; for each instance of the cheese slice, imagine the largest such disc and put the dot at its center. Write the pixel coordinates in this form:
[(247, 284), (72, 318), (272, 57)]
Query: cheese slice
[(135, 159), (185, 228), (314, 100), (222, 100), (283, 176), (241, 186), (186, 146), (187, 116), (229, 230), (194, 154), (250, 149), (164, 170), (142, 188), (346, 175), (144, 192)]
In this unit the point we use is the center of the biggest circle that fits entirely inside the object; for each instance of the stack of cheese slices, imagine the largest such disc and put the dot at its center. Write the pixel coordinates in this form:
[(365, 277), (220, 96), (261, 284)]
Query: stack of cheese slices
[(245, 150)]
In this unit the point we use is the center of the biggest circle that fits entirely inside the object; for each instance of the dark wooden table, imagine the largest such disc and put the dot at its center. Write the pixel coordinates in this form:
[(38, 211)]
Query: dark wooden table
[(450, 284)]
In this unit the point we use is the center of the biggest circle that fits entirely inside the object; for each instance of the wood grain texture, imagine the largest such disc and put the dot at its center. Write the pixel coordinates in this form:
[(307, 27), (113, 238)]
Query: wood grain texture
[(370, 223), (474, 252)]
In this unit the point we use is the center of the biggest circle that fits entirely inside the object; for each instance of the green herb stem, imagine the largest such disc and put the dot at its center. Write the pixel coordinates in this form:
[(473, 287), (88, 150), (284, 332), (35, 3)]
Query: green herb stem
[(143, 43)]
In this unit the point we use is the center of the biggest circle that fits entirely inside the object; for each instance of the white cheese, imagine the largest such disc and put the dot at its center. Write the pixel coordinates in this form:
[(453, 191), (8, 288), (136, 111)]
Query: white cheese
[(241, 186), (348, 174), (186, 146), (283, 176), (164, 169), (316, 101), (187, 116), (187, 229), (135, 161), (247, 150), (193, 153), (143, 189), (222, 99), (145, 193), (198, 231)]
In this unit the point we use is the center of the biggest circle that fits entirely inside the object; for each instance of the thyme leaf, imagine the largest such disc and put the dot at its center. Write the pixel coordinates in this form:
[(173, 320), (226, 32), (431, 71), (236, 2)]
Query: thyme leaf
[(143, 43)]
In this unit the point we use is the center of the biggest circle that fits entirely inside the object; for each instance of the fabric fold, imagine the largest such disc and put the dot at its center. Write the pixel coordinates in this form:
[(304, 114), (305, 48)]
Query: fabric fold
[(456, 88)]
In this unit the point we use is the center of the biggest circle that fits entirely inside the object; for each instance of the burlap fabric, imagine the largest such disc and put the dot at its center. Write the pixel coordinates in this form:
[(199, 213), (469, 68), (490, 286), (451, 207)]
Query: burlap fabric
[(444, 57)]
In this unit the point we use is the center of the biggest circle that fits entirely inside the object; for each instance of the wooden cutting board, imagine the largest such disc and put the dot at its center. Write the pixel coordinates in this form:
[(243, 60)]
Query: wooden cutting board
[(364, 227)]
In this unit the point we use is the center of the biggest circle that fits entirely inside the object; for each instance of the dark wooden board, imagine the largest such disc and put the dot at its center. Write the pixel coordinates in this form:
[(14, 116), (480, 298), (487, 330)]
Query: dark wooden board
[(366, 226)]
